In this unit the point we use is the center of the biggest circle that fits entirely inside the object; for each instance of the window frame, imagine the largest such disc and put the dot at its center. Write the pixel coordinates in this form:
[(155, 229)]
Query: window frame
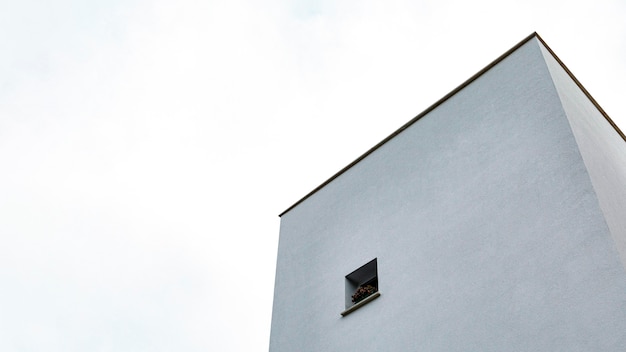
[(366, 274)]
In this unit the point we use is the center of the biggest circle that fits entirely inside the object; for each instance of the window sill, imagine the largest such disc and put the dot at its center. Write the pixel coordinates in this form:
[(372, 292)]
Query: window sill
[(365, 301)]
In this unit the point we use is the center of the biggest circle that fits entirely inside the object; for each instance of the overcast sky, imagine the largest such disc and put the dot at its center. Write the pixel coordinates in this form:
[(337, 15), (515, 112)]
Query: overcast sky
[(147, 147)]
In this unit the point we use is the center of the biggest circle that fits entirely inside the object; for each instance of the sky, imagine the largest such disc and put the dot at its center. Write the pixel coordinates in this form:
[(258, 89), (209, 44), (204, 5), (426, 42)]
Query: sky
[(147, 147)]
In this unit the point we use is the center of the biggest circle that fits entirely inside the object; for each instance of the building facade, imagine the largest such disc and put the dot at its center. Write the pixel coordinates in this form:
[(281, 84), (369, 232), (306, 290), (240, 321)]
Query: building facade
[(493, 221)]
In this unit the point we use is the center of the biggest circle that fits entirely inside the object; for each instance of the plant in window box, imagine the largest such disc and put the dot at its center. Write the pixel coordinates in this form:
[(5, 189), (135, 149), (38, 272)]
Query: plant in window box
[(362, 292)]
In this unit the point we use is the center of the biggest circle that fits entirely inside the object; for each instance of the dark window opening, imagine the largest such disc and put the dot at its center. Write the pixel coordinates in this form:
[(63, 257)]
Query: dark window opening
[(361, 283)]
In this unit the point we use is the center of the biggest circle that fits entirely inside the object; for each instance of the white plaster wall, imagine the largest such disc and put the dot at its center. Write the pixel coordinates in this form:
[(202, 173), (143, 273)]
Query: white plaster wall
[(486, 227), (602, 149)]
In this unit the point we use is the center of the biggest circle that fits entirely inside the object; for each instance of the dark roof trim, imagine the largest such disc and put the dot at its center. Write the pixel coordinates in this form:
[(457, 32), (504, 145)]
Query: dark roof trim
[(446, 97), (413, 120), (593, 101)]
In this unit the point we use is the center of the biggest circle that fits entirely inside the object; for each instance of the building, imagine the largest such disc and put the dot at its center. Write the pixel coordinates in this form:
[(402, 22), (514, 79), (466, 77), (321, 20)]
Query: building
[(493, 221)]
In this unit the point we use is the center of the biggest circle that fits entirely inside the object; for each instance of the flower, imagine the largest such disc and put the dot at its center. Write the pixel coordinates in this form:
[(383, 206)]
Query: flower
[(362, 292)]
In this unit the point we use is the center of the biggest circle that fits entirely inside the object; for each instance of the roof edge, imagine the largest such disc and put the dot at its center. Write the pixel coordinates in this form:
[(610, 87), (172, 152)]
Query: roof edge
[(582, 88), (439, 102)]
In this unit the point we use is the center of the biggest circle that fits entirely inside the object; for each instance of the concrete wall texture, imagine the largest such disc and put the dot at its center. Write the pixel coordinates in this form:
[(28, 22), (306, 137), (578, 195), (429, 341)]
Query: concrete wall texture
[(495, 218)]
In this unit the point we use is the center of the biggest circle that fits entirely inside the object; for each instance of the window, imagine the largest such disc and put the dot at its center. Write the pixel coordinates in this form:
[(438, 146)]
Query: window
[(361, 287)]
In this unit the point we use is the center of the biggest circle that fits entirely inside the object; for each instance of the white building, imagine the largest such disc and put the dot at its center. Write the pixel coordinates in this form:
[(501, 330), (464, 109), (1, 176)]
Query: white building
[(493, 221)]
